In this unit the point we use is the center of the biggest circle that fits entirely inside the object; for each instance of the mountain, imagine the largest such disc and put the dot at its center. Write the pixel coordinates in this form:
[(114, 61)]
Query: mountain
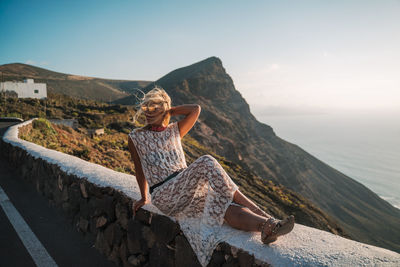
[(277, 200), (227, 126), (73, 85)]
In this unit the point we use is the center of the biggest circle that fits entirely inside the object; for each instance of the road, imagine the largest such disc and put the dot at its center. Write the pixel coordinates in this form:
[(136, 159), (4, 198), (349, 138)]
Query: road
[(52, 240)]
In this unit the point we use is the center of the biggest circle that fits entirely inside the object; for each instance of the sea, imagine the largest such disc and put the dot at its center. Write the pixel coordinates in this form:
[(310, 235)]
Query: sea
[(363, 145)]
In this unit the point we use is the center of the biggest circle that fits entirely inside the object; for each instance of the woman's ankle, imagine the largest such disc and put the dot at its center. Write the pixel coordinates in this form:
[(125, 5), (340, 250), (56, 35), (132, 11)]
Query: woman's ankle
[(260, 212)]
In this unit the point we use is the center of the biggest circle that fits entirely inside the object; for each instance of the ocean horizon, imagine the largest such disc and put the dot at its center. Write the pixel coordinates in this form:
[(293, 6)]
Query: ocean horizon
[(363, 146)]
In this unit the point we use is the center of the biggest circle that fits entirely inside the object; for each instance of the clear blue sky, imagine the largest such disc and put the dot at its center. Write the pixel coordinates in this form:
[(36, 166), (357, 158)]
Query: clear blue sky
[(298, 54)]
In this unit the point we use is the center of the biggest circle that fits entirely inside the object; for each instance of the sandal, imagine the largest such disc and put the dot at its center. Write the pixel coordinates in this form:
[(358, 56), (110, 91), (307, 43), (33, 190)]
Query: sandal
[(276, 228)]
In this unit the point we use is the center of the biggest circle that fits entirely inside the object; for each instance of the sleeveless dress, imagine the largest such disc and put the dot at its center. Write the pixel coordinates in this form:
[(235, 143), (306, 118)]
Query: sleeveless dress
[(197, 197)]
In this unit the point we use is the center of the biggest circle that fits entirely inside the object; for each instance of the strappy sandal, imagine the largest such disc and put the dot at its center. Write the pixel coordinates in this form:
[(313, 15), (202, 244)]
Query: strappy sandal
[(276, 228)]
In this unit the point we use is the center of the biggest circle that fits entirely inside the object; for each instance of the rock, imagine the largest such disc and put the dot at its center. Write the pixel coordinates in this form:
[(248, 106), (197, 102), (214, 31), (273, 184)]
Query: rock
[(134, 260), (94, 190), (92, 226), (164, 228), (122, 198), (161, 255), (184, 254), (234, 251), (106, 205), (39, 185), (83, 225), (92, 205), (245, 259), (107, 190), (74, 194), (121, 212), (136, 241), (114, 255), (64, 195), (123, 250), (68, 179), (109, 234), (113, 234), (261, 263), (60, 183), (25, 171), (217, 259), (101, 244), (69, 209), (230, 261), (148, 235), (54, 169), (101, 221), (224, 247), (144, 216), (83, 190), (134, 246), (84, 208), (142, 258)]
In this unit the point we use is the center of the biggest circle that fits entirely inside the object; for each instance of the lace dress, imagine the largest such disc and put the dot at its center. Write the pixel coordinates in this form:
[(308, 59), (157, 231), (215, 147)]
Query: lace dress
[(197, 197)]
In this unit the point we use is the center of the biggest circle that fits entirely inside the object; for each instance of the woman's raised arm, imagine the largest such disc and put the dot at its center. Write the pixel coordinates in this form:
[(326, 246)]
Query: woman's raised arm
[(192, 112)]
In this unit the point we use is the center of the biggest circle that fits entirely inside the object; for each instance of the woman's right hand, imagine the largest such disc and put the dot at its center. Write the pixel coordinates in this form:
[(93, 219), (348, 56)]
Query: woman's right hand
[(138, 204), (170, 111)]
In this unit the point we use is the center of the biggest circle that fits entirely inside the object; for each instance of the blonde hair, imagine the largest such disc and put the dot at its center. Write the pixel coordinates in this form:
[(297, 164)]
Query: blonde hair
[(156, 94)]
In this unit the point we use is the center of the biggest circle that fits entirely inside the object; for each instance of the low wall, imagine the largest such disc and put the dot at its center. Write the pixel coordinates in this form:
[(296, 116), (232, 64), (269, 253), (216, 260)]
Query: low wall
[(98, 201)]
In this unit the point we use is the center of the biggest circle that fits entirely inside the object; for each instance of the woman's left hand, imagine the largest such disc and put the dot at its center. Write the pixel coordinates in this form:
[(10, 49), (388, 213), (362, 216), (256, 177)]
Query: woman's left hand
[(139, 204)]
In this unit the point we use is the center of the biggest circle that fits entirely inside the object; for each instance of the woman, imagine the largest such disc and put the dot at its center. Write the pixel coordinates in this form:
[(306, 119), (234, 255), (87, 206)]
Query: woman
[(200, 196)]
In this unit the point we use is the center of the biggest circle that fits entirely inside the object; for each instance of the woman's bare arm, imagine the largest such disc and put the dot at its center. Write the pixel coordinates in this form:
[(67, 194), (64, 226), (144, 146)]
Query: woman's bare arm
[(143, 185), (192, 112)]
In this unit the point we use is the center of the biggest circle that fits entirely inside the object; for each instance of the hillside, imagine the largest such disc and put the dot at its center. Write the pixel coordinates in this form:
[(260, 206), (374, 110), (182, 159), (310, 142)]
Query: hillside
[(73, 85), (227, 128), (304, 246), (111, 150)]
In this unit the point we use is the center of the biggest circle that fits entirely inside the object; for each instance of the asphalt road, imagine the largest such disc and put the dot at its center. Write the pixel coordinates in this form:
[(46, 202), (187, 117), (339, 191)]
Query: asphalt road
[(65, 245)]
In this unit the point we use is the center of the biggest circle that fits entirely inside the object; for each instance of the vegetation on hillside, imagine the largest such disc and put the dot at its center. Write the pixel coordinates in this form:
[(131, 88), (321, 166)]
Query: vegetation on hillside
[(111, 150), (228, 128), (89, 113)]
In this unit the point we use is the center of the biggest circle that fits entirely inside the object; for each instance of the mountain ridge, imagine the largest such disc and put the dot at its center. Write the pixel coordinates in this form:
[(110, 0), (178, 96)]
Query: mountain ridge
[(227, 126), (83, 87)]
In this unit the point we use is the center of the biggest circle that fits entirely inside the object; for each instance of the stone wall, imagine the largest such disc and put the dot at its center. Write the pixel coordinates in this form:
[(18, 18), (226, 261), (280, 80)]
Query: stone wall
[(104, 216)]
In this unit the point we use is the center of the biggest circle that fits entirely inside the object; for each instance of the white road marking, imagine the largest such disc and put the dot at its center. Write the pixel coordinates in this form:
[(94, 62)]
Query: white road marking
[(38, 253)]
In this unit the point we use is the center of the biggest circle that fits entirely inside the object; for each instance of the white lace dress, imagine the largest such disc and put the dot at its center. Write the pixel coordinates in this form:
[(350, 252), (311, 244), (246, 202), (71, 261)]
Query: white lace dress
[(197, 197)]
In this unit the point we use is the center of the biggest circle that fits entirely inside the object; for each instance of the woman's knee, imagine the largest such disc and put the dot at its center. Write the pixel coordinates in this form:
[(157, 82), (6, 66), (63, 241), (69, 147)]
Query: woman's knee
[(208, 157), (234, 211)]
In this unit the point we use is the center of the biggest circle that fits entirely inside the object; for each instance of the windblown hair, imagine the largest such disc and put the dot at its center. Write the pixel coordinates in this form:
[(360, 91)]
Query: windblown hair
[(156, 94)]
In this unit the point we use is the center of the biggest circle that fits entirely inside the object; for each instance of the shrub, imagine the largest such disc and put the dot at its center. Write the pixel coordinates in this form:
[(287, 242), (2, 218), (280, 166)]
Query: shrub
[(82, 153), (44, 126), (14, 114)]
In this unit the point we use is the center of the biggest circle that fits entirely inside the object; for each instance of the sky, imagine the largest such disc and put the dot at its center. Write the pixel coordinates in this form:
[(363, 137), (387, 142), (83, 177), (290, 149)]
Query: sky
[(283, 56)]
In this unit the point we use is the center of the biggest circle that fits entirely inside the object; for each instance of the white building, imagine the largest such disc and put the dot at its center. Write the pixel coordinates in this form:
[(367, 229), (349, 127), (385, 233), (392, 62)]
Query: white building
[(25, 89)]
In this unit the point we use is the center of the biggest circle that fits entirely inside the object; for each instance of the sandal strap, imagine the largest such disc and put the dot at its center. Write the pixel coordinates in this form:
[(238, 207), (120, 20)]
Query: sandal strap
[(270, 220), (280, 224), (276, 227)]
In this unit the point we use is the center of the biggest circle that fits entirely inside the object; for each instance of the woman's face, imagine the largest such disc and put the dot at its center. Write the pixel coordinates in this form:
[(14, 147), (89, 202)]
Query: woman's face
[(154, 111)]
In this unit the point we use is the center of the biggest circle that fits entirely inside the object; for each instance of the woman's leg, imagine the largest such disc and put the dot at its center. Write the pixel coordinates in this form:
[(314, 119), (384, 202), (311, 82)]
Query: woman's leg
[(243, 219), (239, 198)]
